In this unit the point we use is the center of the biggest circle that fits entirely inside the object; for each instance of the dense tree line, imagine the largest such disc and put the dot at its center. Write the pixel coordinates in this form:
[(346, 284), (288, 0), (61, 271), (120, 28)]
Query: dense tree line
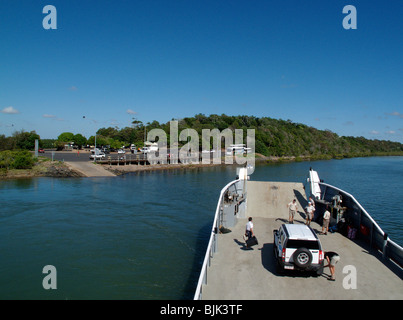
[(273, 137), (286, 138), (19, 140)]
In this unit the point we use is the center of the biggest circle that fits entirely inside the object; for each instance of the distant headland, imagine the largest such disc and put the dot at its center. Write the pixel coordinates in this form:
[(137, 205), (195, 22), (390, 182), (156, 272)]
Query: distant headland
[(274, 140)]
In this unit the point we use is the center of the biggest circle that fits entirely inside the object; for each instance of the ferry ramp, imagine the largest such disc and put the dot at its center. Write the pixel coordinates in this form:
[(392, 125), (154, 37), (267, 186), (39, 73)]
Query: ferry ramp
[(270, 199), (239, 273), (89, 169)]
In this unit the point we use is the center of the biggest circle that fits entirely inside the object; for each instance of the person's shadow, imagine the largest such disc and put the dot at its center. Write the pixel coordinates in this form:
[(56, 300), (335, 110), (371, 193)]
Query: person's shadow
[(242, 245)]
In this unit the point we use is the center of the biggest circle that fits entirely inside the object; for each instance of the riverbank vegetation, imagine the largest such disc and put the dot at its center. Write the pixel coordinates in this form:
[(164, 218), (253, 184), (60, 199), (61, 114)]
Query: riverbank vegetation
[(273, 138), (22, 164), (16, 159)]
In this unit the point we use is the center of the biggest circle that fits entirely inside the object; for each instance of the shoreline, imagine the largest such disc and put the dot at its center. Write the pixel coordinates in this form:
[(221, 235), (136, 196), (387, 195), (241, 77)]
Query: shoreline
[(121, 170), (57, 169)]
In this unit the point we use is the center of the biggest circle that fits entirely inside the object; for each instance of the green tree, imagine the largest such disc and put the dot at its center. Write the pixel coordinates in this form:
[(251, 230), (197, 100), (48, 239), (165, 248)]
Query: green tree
[(66, 137), (79, 140), (25, 140), (6, 143)]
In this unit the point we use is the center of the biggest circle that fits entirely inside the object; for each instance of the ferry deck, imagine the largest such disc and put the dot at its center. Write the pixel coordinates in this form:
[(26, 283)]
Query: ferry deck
[(239, 273)]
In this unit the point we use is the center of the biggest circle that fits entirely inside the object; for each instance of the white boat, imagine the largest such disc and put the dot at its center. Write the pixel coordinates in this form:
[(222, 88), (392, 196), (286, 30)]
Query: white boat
[(237, 149), (371, 264)]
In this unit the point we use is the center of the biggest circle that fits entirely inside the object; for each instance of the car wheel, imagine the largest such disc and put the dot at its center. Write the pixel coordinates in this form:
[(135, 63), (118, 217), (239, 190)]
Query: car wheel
[(302, 258)]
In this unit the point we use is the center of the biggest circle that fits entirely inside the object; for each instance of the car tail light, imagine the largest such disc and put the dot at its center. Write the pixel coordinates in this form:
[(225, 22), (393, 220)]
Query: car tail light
[(320, 256), (283, 255)]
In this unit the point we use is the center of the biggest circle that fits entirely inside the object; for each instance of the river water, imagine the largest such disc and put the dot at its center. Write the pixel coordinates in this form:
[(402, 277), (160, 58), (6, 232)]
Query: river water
[(143, 235)]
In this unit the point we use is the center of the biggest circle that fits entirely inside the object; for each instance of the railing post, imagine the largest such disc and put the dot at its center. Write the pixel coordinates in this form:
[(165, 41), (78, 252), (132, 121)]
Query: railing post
[(215, 243), (205, 275), (385, 246), (371, 234)]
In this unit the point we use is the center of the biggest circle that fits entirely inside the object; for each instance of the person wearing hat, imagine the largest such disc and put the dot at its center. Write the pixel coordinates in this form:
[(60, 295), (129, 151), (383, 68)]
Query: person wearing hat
[(310, 211)]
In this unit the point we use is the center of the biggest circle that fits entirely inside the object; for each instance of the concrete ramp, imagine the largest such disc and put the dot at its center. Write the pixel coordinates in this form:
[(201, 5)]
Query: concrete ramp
[(89, 169), (270, 199)]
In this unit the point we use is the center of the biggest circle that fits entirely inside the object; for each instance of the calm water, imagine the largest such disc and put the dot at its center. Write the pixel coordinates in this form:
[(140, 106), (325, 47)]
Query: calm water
[(143, 236)]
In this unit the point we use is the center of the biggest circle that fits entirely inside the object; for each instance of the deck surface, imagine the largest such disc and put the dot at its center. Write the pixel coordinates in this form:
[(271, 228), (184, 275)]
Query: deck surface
[(238, 273)]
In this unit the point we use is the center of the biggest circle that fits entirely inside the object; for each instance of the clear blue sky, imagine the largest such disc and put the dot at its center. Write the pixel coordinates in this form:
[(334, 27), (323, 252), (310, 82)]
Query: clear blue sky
[(111, 61)]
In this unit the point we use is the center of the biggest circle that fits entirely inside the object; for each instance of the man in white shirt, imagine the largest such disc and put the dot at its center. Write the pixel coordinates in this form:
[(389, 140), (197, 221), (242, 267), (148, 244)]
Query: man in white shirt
[(326, 219), (249, 229), (292, 209)]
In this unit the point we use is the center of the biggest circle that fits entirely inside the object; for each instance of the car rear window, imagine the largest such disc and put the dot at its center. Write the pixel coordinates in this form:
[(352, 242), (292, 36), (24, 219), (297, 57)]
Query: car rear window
[(303, 244)]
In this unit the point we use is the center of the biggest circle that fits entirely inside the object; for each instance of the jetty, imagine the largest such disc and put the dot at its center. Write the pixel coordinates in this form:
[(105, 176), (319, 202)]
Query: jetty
[(234, 272)]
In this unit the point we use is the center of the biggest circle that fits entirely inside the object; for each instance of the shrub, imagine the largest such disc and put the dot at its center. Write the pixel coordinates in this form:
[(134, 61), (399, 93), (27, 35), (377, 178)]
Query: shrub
[(21, 159)]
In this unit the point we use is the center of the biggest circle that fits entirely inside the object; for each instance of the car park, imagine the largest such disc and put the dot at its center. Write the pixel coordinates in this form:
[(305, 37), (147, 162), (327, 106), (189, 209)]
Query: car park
[(297, 247)]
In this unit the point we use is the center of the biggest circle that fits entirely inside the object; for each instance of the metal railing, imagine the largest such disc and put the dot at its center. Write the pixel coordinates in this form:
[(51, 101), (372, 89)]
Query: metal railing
[(213, 241), (368, 228)]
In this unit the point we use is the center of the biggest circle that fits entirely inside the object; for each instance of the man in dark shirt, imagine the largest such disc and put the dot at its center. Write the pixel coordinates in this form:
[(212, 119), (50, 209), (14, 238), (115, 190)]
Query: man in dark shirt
[(332, 259)]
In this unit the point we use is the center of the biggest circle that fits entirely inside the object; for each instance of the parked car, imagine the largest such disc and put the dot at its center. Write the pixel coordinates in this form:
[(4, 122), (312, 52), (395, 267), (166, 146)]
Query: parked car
[(121, 151), (297, 247), (98, 156), (145, 150), (41, 150), (153, 147)]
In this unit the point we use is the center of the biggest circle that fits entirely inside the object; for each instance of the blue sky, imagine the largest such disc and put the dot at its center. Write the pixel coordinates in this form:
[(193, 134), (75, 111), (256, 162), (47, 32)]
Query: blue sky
[(111, 61)]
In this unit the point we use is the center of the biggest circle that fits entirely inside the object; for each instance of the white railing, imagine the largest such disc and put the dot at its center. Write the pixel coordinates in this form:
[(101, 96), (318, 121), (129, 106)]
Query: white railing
[(377, 236), (212, 244)]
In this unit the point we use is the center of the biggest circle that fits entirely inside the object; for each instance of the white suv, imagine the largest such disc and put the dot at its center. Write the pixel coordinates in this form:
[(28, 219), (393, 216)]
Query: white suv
[(297, 247), (98, 156)]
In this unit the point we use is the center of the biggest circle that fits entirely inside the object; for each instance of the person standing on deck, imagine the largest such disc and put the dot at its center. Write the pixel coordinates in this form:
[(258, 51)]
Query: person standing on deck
[(312, 202), (292, 209), (332, 258), (326, 220), (249, 229), (310, 211)]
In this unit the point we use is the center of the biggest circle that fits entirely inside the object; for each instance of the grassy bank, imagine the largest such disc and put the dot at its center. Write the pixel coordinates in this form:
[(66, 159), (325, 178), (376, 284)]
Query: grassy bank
[(41, 167)]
